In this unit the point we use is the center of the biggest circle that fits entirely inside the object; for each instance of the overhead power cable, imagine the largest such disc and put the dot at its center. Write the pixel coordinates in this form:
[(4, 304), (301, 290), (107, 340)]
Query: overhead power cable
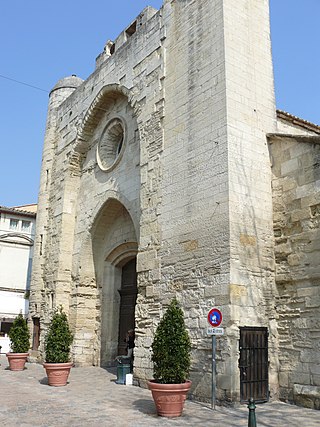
[(23, 83), (38, 88)]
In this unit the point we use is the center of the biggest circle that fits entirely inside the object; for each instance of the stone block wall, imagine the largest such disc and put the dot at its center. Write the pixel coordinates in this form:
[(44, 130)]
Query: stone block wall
[(189, 196), (250, 115), (74, 190), (296, 195), (215, 212)]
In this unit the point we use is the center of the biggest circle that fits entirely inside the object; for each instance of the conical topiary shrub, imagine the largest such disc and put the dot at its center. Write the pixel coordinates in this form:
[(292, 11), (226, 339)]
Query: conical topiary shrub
[(171, 349), (58, 339), (20, 343), (19, 335), (57, 349)]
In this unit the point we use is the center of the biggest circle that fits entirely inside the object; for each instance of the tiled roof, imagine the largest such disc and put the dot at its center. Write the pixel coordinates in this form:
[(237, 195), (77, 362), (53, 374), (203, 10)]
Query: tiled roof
[(32, 207), (15, 211), (298, 121)]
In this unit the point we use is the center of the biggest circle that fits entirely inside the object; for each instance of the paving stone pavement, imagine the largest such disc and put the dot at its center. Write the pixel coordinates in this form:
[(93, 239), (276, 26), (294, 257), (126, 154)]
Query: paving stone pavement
[(92, 398)]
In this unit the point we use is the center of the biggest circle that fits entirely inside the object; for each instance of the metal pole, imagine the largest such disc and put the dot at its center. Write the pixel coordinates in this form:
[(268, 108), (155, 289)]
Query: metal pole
[(252, 415), (213, 392)]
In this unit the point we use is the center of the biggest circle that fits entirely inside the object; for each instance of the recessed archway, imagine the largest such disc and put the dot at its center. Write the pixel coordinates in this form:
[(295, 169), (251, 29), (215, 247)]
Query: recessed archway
[(114, 249)]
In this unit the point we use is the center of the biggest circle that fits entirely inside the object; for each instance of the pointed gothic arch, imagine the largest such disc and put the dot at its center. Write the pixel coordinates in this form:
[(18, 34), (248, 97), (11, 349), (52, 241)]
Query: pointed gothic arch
[(111, 243), (114, 243)]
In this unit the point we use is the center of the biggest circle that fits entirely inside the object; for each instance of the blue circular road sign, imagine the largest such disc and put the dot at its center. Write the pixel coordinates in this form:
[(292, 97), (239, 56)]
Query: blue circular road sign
[(215, 317)]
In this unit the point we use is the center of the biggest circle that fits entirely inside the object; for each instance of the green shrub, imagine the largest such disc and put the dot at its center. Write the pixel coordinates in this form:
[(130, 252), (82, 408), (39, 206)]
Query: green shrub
[(171, 347), (19, 335), (58, 339)]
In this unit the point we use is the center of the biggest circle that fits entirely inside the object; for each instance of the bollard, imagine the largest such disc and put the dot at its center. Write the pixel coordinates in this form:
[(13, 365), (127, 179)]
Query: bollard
[(252, 414), (123, 368)]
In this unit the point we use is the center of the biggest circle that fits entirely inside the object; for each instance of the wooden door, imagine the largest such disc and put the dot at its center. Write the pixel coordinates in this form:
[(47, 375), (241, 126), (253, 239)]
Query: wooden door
[(128, 296), (253, 364), (36, 333)]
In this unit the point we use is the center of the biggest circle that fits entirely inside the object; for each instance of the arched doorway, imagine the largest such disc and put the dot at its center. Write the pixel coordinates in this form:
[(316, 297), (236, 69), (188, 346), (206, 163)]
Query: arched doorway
[(128, 297), (115, 247), (107, 222)]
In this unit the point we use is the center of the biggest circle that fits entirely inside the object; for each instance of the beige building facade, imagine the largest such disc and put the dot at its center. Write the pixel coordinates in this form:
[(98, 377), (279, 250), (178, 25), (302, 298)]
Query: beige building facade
[(168, 172), (17, 232)]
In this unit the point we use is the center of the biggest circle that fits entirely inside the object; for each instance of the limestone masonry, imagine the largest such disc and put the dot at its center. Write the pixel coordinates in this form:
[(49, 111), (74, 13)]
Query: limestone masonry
[(169, 172)]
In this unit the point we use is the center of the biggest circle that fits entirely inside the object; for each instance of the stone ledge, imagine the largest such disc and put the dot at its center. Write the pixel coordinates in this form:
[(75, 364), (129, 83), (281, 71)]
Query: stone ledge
[(307, 395)]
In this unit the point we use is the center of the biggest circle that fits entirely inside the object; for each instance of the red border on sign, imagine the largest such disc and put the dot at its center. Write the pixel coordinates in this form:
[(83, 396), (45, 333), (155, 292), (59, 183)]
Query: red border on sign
[(215, 325)]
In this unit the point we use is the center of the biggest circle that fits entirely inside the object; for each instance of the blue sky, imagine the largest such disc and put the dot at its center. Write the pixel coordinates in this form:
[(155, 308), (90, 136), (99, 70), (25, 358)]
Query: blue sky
[(43, 41)]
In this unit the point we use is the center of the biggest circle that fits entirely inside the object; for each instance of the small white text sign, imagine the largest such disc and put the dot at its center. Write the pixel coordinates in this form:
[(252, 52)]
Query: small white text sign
[(215, 331)]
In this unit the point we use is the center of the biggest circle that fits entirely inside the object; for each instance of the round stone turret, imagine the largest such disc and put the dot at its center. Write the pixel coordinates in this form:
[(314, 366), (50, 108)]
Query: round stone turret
[(71, 82), (63, 89)]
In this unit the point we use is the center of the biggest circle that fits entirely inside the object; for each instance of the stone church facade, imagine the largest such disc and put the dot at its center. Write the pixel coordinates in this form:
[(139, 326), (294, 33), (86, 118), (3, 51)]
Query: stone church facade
[(169, 173)]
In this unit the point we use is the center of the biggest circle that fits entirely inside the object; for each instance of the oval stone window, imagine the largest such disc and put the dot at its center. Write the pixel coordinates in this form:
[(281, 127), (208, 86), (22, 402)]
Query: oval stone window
[(111, 144)]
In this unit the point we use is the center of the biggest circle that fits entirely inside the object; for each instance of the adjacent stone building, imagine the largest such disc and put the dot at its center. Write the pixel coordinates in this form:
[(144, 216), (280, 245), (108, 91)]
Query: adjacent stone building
[(168, 172), (295, 160), (17, 231)]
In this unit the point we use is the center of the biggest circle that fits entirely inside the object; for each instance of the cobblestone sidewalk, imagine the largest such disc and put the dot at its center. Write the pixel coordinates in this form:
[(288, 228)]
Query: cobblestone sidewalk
[(92, 398)]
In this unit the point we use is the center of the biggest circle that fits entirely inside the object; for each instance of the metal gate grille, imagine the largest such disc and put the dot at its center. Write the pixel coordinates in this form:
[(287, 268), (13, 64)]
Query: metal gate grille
[(253, 364)]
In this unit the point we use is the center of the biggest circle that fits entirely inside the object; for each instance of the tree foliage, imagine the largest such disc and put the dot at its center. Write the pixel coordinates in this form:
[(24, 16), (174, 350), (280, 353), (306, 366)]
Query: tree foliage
[(58, 339), (19, 335), (171, 347)]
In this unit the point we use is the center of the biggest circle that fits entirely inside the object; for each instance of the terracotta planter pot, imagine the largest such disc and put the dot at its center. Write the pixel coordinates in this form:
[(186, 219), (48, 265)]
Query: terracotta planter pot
[(17, 361), (169, 398), (57, 373)]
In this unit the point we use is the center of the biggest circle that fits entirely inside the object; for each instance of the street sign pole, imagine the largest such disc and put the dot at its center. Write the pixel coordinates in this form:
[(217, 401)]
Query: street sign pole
[(213, 392), (214, 319)]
